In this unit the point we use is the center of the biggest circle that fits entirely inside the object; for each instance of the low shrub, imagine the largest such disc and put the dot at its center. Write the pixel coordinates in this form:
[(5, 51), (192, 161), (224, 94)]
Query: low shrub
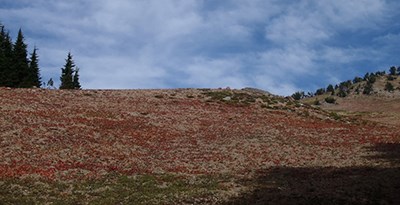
[(335, 116), (330, 100)]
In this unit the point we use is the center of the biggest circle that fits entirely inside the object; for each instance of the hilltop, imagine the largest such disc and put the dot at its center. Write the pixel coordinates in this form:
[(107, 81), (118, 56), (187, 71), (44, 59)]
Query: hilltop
[(376, 97), (188, 146)]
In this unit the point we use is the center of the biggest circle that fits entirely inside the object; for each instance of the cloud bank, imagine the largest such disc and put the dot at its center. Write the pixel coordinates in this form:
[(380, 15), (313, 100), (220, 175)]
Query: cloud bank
[(279, 46)]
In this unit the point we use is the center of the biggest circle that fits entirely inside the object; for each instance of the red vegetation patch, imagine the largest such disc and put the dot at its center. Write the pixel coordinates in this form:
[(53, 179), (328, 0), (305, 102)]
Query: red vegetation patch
[(87, 134)]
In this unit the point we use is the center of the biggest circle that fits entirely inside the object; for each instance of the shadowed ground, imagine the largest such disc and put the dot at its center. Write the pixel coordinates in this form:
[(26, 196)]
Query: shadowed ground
[(329, 185)]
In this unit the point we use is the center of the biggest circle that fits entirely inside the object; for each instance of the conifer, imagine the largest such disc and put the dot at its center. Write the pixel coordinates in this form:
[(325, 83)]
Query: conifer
[(76, 83), (34, 75), (67, 73), (6, 55), (19, 74)]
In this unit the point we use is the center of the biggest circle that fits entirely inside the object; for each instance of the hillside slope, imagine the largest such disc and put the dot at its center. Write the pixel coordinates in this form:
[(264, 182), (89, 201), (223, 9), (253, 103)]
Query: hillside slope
[(187, 146), (381, 106)]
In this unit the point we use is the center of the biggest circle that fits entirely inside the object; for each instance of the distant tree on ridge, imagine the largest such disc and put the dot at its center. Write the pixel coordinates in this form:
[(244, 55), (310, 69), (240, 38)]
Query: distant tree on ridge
[(34, 75), (357, 80), (330, 89), (389, 87), (20, 68), (298, 95), (393, 70), (6, 56), (16, 70), (320, 91), (368, 88), (69, 75), (50, 84), (75, 82)]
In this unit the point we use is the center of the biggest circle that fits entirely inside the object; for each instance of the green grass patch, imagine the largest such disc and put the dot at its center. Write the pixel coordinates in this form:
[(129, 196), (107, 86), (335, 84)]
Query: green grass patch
[(114, 189)]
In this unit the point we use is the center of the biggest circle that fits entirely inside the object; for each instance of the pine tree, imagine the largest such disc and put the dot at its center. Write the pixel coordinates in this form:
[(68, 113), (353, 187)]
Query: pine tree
[(342, 92), (357, 80), (6, 48), (2, 56), (371, 79), (67, 73), (330, 89), (366, 76), (392, 70), (19, 75), (298, 95), (389, 87), (76, 83), (50, 84), (320, 91), (34, 75), (368, 88)]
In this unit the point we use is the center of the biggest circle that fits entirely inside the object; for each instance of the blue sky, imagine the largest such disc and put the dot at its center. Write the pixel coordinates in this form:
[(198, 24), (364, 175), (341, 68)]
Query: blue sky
[(277, 45)]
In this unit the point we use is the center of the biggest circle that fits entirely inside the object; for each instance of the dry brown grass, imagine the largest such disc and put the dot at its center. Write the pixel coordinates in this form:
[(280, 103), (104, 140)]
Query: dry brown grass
[(83, 135)]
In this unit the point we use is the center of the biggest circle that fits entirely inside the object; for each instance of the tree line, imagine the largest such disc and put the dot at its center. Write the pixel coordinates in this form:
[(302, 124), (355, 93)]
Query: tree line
[(19, 71), (343, 89)]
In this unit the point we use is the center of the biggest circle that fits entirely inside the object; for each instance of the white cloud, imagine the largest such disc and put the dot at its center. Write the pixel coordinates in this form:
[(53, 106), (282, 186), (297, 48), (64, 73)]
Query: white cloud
[(287, 61), (311, 22), (292, 29), (214, 73), (121, 72), (196, 43), (347, 55), (275, 85), (354, 15)]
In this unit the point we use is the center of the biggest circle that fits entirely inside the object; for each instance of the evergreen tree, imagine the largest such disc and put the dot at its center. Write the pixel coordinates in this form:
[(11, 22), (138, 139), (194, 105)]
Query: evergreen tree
[(357, 91), (330, 89), (50, 84), (34, 75), (357, 80), (67, 73), (342, 92), (368, 88), (76, 83), (16, 70), (371, 79), (2, 56), (366, 77), (330, 100), (344, 88), (298, 95), (320, 91), (392, 70), (391, 78), (20, 69), (6, 48), (389, 87), (380, 73)]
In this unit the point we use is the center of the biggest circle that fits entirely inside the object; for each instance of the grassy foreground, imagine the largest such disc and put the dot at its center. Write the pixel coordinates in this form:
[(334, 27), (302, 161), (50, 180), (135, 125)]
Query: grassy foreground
[(113, 189)]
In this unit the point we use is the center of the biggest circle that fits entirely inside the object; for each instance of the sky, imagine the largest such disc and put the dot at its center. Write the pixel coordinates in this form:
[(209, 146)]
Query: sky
[(281, 46)]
